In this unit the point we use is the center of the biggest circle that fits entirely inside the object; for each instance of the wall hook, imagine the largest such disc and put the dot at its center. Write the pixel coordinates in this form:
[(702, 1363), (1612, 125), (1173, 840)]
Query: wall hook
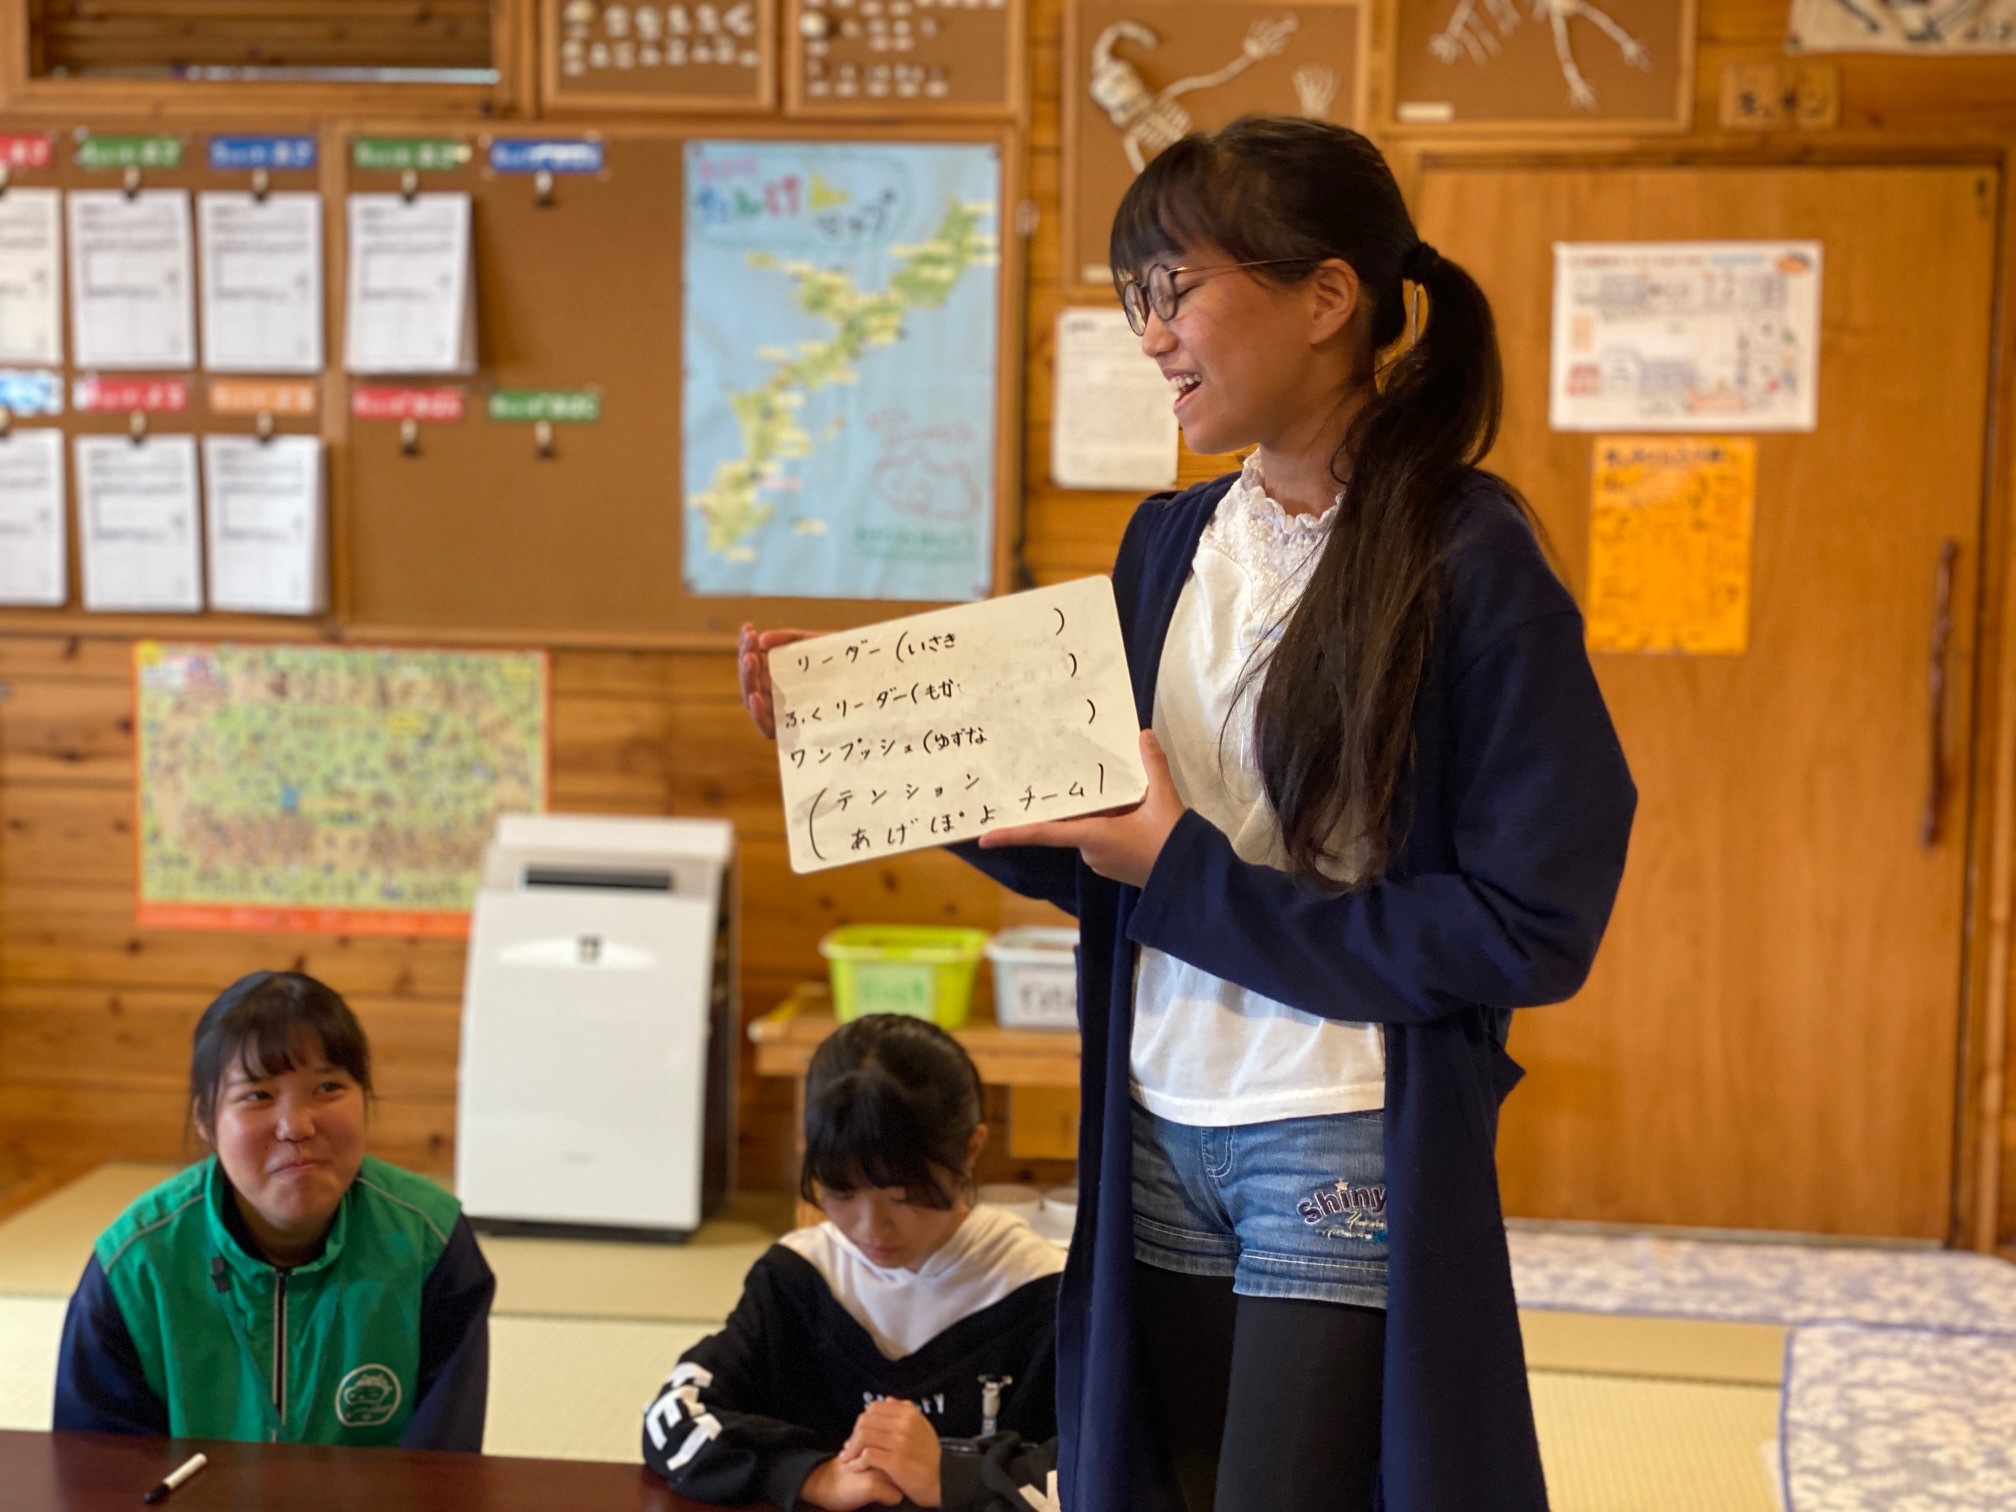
[(262, 185), (409, 185), (136, 426), (542, 188), (263, 427), (132, 183), (542, 437), (409, 436)]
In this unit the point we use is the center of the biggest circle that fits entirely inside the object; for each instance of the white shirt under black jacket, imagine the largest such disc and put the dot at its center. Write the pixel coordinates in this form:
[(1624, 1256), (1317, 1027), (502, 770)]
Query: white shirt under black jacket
[(821, 1331), (1206, 1051)]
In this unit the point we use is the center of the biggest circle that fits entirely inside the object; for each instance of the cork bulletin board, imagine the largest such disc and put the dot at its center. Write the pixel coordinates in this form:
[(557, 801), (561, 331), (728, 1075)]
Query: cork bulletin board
[(144, 154), (917, 59), (698, 57), (1140, 73), (1615, 65), (472, 529)]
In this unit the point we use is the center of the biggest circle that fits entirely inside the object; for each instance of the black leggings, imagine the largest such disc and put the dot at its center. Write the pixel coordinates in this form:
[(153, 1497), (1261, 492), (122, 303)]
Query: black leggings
[(1261, 1404)]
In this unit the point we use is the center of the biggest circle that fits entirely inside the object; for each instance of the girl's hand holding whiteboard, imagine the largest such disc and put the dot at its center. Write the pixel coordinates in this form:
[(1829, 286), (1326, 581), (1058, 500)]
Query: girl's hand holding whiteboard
[(1121, 847), (752, 669), (943, 726)]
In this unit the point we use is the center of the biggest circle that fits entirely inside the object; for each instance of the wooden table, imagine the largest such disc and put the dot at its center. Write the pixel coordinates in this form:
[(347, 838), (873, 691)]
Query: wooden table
[(1039, 1067), (84, 1472)]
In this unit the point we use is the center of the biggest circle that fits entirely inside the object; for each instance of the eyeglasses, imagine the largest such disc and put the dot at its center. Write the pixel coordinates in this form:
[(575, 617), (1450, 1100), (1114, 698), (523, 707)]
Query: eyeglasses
[(1158, 291)]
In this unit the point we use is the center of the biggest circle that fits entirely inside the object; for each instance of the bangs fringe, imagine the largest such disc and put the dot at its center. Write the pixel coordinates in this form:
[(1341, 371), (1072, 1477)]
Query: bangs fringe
[(865, 1133)]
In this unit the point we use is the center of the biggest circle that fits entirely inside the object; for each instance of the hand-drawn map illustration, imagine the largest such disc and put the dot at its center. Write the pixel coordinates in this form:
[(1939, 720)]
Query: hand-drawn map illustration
[(1905, 26), (840, 335), (348, 789)]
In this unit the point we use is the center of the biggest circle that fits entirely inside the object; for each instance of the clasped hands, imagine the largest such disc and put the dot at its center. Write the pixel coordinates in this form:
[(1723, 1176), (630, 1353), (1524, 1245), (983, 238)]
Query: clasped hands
[(1120, 844), (891, 1457)]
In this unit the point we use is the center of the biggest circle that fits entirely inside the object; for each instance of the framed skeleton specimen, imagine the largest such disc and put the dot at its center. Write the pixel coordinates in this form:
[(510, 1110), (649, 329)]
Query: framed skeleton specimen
[(1138, 74), (1543, 65)]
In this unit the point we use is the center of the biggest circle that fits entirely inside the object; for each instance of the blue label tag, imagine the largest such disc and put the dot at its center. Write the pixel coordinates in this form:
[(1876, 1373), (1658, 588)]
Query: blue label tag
[(244, 152), (31, 391), (553, 154)]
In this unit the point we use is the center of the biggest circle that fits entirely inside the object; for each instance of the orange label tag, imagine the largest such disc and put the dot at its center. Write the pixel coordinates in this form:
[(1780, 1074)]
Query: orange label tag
[(262, 396)]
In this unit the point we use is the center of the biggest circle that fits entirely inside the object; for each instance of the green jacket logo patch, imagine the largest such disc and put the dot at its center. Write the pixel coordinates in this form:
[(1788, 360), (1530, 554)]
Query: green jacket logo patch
[(366, 1397)]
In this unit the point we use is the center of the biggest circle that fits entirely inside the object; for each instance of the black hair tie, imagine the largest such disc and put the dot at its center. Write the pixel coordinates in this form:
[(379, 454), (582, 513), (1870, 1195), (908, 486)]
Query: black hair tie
[(1419, 262)]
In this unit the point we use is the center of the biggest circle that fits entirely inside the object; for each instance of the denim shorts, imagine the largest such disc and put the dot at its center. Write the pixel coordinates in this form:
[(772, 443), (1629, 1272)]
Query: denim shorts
[(1292, 1208)]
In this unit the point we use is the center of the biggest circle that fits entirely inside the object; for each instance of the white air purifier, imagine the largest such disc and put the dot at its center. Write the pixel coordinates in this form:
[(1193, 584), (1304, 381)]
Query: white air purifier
[(598, 1028)]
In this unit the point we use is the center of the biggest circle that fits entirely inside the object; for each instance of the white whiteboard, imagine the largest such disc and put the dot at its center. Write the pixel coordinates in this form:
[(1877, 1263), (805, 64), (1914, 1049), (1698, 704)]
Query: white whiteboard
[(937, 727)]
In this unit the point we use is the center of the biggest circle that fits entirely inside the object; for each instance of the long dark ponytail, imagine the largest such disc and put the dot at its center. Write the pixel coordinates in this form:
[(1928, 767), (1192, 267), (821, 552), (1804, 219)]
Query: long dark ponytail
[(1334, 720)]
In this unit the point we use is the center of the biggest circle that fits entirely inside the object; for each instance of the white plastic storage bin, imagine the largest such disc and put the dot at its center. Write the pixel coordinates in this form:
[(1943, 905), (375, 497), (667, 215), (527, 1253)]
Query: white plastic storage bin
[(1035, 978)]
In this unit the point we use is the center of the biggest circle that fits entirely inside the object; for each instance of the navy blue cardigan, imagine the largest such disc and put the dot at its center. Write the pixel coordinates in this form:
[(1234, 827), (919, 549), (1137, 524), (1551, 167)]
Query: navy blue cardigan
[(1518, 812)]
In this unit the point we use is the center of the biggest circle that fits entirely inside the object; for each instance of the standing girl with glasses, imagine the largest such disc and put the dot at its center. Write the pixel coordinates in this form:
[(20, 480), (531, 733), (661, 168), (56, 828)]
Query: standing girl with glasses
[(1392, 810)]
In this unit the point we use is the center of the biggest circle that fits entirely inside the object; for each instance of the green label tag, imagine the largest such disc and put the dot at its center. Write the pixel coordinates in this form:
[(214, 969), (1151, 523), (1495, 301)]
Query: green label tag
[(895, 987), (546, 404), (396, 154), (129, 152)]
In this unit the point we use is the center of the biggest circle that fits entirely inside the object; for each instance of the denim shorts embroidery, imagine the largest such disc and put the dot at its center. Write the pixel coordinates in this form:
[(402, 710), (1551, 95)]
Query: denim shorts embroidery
[(1291, 1208)]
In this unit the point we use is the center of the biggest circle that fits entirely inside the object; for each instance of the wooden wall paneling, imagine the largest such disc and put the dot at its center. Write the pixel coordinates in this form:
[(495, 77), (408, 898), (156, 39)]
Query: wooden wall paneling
[(1986, 1186)]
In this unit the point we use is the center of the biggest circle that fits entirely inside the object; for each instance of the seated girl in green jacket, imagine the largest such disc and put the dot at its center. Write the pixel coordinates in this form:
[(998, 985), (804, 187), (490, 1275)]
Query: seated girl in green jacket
[(289, 1288)]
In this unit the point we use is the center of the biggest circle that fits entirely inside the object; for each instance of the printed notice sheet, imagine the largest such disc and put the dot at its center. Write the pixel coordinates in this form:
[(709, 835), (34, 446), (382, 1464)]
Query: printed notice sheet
[(1114, 419), (264, 514), (131, 279), (136, 506), (31, 294), (940, 726), (1670, 521), (411, 297), (1686, 336), (262, 282), (33, 564)]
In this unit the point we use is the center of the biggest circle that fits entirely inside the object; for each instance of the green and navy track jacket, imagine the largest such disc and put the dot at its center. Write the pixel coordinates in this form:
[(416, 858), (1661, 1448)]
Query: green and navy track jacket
[(178, 1327)]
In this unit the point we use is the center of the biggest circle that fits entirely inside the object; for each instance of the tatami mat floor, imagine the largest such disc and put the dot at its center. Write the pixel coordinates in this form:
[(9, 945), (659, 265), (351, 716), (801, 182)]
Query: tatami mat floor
[(1635, 1414)]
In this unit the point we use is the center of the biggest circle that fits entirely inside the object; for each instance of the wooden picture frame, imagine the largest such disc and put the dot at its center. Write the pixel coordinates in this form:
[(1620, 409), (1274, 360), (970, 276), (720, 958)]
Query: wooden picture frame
[(24, 88), (1496, 67), (588, 547), (572, 84), (1327, 47), (832, 35)]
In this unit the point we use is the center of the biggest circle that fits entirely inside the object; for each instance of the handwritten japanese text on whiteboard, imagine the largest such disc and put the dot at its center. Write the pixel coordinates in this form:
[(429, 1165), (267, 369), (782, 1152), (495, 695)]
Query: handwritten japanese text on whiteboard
[(940, 726)]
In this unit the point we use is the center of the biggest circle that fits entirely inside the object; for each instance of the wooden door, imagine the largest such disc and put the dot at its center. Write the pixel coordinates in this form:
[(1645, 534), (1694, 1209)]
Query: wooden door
[(1770, 1037)]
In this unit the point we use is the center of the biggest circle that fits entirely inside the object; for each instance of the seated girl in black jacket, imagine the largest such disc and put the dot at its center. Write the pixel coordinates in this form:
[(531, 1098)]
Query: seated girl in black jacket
[(902, 1351)]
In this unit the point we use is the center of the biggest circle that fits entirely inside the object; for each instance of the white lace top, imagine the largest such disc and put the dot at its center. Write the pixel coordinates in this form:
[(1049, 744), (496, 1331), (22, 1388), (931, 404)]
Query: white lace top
[(1206, 1051)]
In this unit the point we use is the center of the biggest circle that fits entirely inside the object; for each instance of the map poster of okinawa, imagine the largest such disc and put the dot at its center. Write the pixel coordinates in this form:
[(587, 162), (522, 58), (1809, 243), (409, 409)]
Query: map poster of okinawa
[(840, 336), (338, 789)]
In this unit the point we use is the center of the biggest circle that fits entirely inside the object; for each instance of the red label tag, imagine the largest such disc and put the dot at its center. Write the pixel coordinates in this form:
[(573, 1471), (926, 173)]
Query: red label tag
[(406, 403), (155, 395), (18, 150)]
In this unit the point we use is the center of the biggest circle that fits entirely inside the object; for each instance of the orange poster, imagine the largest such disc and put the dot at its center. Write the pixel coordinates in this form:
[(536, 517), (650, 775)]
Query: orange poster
[(1669, 544)]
